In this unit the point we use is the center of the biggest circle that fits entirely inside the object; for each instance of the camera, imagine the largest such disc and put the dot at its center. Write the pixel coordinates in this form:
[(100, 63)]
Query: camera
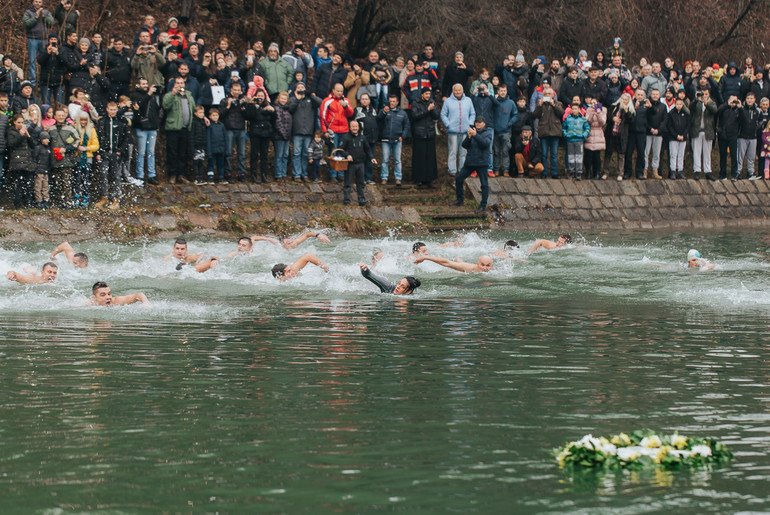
[(699, 94)]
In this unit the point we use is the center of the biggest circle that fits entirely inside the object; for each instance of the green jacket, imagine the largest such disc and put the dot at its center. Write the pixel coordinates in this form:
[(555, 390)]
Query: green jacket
[(148, 66), (65, 137), (172, 104), (277, 74)]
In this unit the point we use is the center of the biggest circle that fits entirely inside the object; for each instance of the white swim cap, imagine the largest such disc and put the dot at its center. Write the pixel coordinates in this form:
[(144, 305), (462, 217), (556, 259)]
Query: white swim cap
[(693, 254)]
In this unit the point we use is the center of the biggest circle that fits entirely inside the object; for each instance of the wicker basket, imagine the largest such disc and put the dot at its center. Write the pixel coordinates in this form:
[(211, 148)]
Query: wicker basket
[(338, 160)]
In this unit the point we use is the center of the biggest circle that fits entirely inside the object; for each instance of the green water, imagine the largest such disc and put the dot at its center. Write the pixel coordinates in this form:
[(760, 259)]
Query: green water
[(238, 394)]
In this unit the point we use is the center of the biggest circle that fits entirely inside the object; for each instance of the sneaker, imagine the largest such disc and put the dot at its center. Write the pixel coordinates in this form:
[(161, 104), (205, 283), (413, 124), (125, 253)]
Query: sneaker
[(363, 203), (115, 205), (710, 177), (172, 179), (384, 182), (481, 209), (696, 176), (490, 173), (456, 203), (136, 182), (317, 181), (604, 176), (754, 178), (398, 183), (153, 181), (474, 174), (370, 182), (210, 178), (102, 202), (199, 182)]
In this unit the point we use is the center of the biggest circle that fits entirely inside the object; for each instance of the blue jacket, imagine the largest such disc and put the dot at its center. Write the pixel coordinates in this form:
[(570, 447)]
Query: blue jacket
[(478, 148), (215, 139), (457, 115), (395, 124), (575, 128), (506, 114)]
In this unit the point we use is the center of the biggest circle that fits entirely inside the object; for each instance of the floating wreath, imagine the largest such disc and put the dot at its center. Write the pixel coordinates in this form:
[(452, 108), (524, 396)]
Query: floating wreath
[(640, 449)]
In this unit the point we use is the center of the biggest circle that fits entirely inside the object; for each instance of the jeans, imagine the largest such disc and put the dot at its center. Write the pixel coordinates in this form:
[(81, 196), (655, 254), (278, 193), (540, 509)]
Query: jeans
[(483, 178), (550, 144), (726, 144), (491, 146), (33, 47), (501, 152), (145, 147), (299, 155), (238, 137), (389, 149), (701, 152), (177, 152), (49, 93), (219, 161), (455, 142), (281, 157)]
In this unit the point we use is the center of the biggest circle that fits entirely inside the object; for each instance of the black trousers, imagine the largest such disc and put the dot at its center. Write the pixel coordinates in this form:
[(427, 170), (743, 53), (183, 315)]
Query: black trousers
[(259, 149), (177, 152), (22, 189), (354, 170), (724, 145), (592, 162), (636, 141)]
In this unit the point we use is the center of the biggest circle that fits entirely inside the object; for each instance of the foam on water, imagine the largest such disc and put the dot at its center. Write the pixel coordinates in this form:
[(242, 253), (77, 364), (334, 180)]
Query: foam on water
[(633, 271)]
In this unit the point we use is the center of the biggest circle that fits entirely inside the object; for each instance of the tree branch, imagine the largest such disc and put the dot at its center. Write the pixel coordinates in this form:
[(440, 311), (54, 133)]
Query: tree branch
[(718, 42)]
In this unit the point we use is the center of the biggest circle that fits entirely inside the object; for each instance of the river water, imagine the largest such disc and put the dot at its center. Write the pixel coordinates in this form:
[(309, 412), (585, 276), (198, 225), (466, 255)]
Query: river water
[(237, 393)]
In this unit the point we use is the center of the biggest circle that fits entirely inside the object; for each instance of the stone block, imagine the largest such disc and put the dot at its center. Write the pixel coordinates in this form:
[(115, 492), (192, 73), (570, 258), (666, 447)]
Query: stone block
[(411, 215), (569, 202), (762, 186), (716, 186), (554, 201), (629, 188), (753, 199), (534, 186), (730, 186), (652, 200), (742, 199), (692, 186), (641, 200), (653, 187), (595, 202), (165, 222), (582, 202), (603, 186), (570, 186), (386, 214), (745, 186), (555, 186), (625, 202), (732, 199), (584, 214), (494, 185), (607, 202)]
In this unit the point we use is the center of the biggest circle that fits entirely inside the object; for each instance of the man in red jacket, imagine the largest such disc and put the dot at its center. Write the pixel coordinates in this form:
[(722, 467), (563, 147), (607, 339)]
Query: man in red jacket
[(335, 111)]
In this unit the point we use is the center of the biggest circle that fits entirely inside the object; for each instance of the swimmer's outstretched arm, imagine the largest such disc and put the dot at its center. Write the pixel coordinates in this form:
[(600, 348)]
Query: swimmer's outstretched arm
[(256, 238), (207, 265), (454, 265), (546, 244), (131, 299), (22, 278), (309, 258), (65, 247), (454, 243), (292, 243), (383, 284)]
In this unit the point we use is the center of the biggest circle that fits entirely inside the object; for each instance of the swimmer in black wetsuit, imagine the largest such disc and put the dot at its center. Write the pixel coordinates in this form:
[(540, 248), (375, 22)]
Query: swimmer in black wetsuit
[(403, 287)]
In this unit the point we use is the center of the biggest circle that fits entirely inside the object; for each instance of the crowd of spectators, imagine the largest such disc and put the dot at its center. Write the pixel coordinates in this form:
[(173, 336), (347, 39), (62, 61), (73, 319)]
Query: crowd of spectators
[(85, 115)]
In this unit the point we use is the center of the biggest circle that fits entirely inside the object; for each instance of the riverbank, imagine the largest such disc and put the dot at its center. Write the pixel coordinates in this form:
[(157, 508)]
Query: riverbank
[(225, 210)]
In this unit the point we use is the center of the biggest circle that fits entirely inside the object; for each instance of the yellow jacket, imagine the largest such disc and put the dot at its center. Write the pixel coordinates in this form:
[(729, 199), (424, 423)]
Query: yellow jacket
[(93, 142)]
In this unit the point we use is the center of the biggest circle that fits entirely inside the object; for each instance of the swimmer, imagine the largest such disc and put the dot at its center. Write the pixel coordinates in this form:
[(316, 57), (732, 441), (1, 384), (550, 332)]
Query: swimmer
[(245, 244), (179, 253), (459, 242), (47, 275), (285, 272), (418, 249), (101, 295), (377, 256), (293, 243), (405, 286), (509, 246), (483, 265), (78, 260), (695, 261), (550, 245)]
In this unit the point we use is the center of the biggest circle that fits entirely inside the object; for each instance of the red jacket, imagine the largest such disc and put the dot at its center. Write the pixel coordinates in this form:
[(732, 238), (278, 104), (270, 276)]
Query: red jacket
[(334, 117)]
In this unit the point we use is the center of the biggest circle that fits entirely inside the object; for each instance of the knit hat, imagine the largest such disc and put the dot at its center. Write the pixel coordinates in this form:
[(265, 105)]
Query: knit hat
[(583, 53), (526, 128), (25, 83), (542, 58), (172, 19), (45, 135), (424, 89), (693, 254), (460, 54), (520, 56), (616, 40), (84, 40), (546, 80), (480, 118)]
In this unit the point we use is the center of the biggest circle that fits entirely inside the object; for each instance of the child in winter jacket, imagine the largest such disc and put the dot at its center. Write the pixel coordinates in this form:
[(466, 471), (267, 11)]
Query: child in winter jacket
[(216, 147), (198, 143), (677, 125), (42, 156), (575, 130), (315, 154)]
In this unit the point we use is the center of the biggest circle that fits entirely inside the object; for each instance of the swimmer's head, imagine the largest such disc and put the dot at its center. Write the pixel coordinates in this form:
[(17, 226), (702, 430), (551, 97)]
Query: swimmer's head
[(484, 263), (377, 256), (420, 248), (406, 285), (101, 294), (563, 240), (244, 244), (282, 272), (50, 271), (180, 248), (510, 244), (693, 258), (80, 260)]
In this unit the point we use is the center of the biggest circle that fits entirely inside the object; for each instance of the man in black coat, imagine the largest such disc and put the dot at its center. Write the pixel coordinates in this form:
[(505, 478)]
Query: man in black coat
[(457, 73), (728, 126), (118, 68)]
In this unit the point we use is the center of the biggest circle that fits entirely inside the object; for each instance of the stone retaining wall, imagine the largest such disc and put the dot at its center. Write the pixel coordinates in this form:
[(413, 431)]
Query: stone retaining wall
[(534, 204)]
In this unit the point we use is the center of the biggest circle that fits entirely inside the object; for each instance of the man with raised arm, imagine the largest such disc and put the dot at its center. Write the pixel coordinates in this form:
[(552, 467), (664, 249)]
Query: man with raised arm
[(48, 275), (550, 245), (285, 272), (483, 265), (180, 254), (101, 295), (79, 260)]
